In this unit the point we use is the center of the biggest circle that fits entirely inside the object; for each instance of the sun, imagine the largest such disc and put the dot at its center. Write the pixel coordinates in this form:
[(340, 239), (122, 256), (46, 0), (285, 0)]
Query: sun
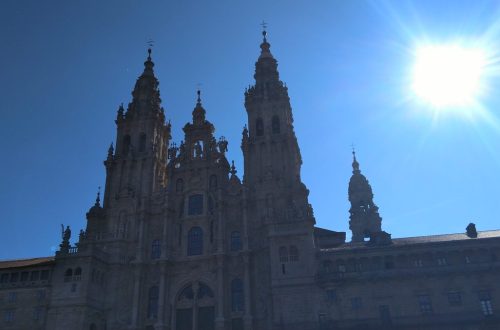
[(448, 76)]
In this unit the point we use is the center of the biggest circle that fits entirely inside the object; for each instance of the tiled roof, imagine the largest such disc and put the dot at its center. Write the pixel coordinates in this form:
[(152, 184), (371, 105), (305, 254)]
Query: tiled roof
[(445, 237), (422, 240), (26, 262)]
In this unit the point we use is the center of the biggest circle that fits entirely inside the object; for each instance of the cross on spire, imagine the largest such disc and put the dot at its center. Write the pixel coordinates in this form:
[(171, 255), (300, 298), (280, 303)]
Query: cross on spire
[(198, 92), (264, 27), (150, 44)]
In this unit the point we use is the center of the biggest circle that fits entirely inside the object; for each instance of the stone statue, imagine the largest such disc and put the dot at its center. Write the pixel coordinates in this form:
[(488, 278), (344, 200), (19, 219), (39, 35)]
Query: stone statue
[(81, 236), (222, 145), (66, 235), (197, 150)]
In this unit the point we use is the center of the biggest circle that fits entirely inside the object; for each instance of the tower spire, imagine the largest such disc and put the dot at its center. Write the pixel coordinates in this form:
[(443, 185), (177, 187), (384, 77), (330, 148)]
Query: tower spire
[(198, 112), (148, 65), (98, 198), (355, 164), (265, 46)]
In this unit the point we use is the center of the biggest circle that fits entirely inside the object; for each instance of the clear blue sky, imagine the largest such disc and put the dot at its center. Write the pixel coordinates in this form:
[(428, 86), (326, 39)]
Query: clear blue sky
[(67, 65)]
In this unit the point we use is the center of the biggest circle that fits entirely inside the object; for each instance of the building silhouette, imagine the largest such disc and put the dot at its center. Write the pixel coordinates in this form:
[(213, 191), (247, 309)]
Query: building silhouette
[(180, 241)]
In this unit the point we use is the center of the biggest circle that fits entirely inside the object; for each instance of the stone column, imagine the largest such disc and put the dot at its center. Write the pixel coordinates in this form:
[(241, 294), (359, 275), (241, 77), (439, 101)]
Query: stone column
[(135, 301), (162, 323), (247, 318), (219, 319), (138, 275)]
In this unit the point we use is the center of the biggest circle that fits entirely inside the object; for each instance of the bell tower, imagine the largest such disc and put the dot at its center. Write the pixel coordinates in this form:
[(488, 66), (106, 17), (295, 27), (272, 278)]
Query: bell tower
[(137, 167), (279, 212), (364, 219), (271, 153), (269, 143)]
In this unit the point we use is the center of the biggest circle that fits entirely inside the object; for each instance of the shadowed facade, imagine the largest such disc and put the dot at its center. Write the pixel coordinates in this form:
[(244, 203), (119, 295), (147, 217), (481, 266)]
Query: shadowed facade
[(180, 242)]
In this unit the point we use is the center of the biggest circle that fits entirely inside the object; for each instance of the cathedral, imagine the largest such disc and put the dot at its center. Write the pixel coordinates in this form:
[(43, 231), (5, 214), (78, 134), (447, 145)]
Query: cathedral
[(180, 240)]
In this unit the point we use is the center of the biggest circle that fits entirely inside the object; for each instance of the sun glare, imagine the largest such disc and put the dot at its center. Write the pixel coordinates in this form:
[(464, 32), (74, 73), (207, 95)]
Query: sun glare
[(448, 76)]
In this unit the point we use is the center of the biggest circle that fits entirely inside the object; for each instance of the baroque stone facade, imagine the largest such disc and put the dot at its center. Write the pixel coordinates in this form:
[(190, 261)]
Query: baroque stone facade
[(181, 242)]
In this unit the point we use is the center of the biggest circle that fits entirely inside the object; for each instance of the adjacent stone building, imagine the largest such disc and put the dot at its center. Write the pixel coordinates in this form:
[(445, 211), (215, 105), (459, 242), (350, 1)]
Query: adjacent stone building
[(180, 242)]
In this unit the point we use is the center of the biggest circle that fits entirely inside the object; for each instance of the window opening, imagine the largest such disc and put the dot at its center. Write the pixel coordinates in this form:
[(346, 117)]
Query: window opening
[(235, 241), (237, 297), (259, 127), (195, 241), (195, 204), (276, 125)]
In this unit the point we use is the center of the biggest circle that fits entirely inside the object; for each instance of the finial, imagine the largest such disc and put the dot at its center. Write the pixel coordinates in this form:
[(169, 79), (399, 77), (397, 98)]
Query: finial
[(111, 150), (264, 27), (98, 198), (150, 45), (198, 92), (355, 164), (121, 109), (233, 168)]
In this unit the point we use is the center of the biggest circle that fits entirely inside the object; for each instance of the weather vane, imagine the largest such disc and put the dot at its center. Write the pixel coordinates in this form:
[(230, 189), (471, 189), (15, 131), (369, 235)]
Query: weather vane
[(150, 43)]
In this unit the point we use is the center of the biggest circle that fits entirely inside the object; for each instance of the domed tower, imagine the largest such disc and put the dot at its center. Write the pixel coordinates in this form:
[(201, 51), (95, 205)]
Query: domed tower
[(364, 218)]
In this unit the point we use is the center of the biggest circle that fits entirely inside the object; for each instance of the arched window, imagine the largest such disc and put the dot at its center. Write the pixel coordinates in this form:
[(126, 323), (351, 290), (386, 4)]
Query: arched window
[(187, 293), (294, 253), (68, 275), (283, 253), (213, 182), (237, 295), (179, 185), (235, 241), (195, 303), (153, 302), (142, 142), (276, 125), (195, 241), (259, 127), (204, 292), (155, 249), (126, 144), (78, 274)]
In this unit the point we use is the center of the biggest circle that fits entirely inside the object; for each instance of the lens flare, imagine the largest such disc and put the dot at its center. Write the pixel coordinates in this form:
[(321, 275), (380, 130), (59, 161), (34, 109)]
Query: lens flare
[(448, 76)]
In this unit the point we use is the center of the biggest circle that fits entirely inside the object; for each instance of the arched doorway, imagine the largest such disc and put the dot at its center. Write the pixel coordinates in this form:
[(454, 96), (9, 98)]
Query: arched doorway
[(195, 308)]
